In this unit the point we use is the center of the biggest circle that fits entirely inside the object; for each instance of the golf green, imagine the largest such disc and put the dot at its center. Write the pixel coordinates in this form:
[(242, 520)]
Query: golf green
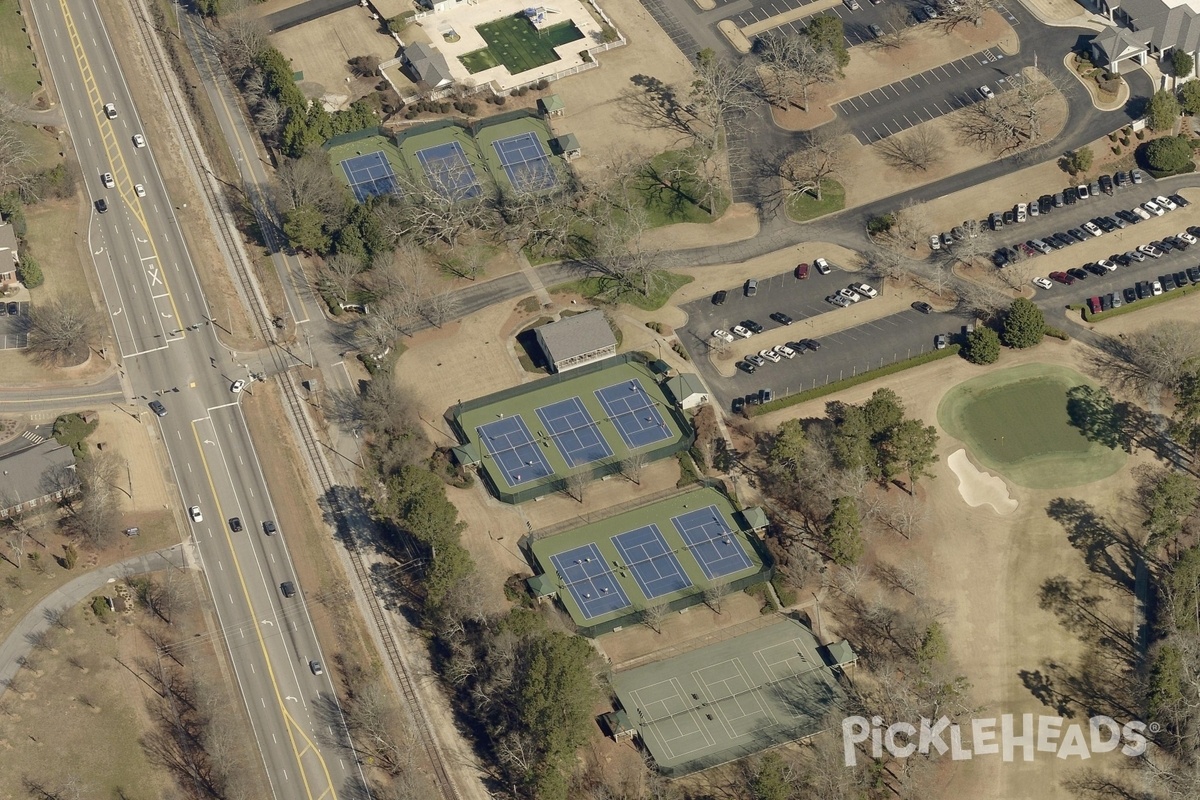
[(1015, 421)]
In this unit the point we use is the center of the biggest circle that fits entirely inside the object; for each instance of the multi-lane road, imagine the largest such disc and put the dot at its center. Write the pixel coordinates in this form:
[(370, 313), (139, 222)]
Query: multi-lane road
[(169, 352)]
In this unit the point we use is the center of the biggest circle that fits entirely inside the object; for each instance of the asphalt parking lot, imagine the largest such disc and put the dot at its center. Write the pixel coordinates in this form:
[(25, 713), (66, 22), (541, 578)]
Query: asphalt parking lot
[(842, 354), (924, 96), (13, 334), (766, 11), (855, 24)]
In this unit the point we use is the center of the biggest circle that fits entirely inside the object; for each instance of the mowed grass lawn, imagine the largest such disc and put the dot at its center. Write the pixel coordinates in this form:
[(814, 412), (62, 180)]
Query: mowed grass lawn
[(520, 47), (18, 75), (53, 233)]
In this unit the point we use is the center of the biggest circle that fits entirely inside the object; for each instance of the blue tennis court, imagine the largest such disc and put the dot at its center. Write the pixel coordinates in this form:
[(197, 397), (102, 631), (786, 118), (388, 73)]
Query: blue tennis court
[(590, 580), (634, 413), (370, 175), (449, 172), (712, 542), (516, 453), (526, 162), (574, 432), (655, 568)]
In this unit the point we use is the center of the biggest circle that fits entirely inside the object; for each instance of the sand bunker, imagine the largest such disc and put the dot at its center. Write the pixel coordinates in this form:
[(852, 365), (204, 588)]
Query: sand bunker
[(980, 488)]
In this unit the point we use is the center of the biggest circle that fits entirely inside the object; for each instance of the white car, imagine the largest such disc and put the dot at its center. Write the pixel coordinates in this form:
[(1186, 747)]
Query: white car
[(935, 242), (865, 290), (1187, 237), (139, 140), (1150, 250), (851, 4), (110, 111), (1084, 192), (106, 178), (1141, 212), (139, 190), (239, 383), (822, 266), (194, 513), (769, 355), (1155, 288), (1093, 229), (1166, 203), (724, 336), (1022, 212), (785, 351), (1108, 265), (742, 332), (987, 92), (1154, 208), (850, 295), (1043, 283)]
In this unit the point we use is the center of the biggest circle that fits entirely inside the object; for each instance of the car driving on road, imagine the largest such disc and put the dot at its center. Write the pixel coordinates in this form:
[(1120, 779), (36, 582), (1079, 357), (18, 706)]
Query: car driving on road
[(194, 513)]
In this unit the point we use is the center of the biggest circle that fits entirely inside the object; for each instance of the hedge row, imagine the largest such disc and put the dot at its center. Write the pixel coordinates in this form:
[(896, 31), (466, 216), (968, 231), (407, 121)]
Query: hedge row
[(846, 383)]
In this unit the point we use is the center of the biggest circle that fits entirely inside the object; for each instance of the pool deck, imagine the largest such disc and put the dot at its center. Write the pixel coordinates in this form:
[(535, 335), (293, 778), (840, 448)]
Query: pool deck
[(463, 18)]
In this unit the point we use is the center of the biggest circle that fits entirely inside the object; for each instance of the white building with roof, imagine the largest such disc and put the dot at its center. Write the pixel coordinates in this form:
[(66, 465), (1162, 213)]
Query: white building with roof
[(1143, 29)]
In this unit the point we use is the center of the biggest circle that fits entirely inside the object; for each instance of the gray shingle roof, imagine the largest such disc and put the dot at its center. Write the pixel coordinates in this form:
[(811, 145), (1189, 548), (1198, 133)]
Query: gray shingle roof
[(577, 335), (8, 244), (429, 64), (23, 474), (1164, 25)]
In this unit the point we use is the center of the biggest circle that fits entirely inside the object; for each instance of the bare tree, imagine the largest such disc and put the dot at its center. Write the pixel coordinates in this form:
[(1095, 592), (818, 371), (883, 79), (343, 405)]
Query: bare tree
[(911, 226), (906, 515), (308, 181), (94, 512), (269, 116), (243, 35), (541, 222), (790, 64), (16, 157), (577, 483), (715, 594), (340, 273), (964, 12), (918, 150), (62, 330), (439, 205), (653, 615), (805, 170), (720, 92), (1157, 357), (631, 466), (1012, 119)]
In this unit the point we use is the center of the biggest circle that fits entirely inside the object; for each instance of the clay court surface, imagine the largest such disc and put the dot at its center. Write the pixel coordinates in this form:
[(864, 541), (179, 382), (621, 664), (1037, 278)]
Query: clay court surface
[(1015, 421)]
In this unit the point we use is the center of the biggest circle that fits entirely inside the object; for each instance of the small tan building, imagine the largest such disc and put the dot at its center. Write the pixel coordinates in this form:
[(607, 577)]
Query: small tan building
[(577, 340)]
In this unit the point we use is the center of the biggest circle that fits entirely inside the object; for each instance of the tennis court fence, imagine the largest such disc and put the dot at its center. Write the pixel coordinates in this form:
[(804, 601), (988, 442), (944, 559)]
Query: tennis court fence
[(594, 471)]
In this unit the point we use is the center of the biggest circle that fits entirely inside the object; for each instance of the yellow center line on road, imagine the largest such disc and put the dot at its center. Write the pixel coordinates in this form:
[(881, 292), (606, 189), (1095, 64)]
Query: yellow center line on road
[(120, 169), (291, 724)]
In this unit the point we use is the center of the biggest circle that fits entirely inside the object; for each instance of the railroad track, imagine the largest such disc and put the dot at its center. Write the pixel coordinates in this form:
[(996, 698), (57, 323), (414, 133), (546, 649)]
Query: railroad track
[(341, 506)]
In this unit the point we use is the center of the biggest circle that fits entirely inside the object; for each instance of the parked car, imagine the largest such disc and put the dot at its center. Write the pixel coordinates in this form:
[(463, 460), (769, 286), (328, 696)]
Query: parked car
[(1043, 283), (785, 351), (1114, 300), (1083, 191), (1181, 279), (1010, 218), (1095, 269), (851, 4), (720, 297), (811, 344), (802, 272), (1168, 282), (1121, 178), (752, 325), (1136, 176), (1106, 264), (865, 289), (1137, 255), (747, 367), (1141, 213), (822, 266), (1046, 203), (742, 331), (769, 355), (1077, 273), (1022, 212), (850, 295), (738, 405), (876, 31), (1156, 288), (724, 336), (837, 300), (1094, 305), (1179, 200), (756, 359), (1187, 237), (1166, 203), (1129, 216), (986, 92), (1040, 246), (782, 318), (940, 341), (995, 221), (1130, 295), (1193, 274), (1154, 208), (1106, 184), (1092, 228), (751, 288), (923, 307)]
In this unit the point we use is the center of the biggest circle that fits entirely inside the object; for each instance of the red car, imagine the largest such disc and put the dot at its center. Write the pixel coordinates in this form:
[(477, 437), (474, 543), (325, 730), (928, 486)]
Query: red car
[(1094, 305), (802, 271), (1062, 277)]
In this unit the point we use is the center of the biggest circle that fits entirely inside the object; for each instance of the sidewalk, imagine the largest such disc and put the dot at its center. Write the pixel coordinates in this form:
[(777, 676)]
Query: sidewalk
[(17, 645)]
